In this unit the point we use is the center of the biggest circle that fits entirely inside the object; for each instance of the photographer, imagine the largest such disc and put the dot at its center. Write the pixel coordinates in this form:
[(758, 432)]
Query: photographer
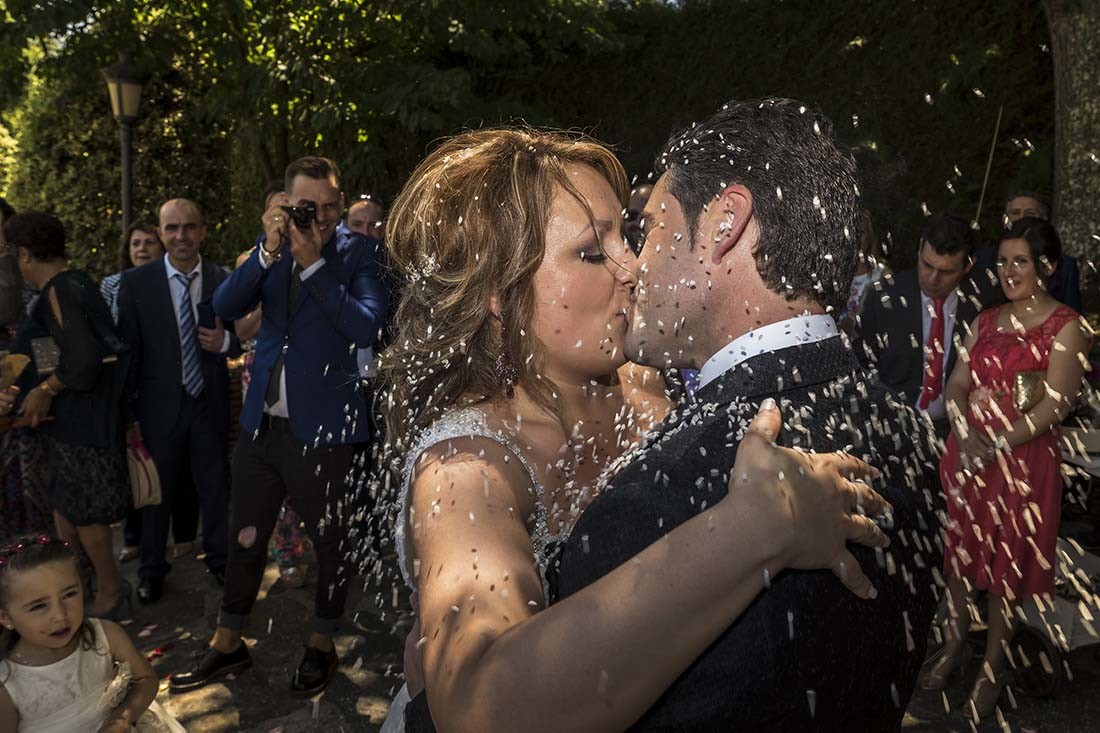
[(304, 415)]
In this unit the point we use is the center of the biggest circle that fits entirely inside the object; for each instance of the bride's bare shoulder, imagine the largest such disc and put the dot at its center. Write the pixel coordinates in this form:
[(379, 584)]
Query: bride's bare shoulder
[(464, 463)]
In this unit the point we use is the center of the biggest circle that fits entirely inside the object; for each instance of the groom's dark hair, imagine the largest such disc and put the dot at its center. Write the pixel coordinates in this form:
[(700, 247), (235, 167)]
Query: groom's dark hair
[(804, 188)]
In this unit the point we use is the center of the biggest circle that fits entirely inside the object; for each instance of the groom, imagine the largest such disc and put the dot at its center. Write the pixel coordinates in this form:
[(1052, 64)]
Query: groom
[(751, 237)]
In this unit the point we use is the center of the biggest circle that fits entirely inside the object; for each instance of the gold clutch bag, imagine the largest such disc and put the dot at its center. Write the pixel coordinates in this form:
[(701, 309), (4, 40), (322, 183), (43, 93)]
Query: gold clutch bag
[(1028, 390)]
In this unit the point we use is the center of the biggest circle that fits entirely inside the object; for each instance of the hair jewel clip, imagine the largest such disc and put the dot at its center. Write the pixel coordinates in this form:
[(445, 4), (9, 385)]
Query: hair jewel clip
[(15, 548), (429, 267)]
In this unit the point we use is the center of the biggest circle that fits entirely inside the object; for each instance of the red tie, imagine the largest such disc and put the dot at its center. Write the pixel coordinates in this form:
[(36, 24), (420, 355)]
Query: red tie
[(933, 365)]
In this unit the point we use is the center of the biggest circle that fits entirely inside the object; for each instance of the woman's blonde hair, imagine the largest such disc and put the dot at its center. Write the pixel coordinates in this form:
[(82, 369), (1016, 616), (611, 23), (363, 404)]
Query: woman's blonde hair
[(469, 226)]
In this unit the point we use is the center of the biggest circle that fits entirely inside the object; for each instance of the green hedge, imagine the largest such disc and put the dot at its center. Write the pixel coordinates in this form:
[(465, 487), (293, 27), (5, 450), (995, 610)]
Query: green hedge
[(913, 86)]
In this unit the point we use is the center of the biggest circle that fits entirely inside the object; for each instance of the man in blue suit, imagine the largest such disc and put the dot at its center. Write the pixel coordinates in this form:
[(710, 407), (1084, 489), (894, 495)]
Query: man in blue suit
[(304, 415), (179, 387)]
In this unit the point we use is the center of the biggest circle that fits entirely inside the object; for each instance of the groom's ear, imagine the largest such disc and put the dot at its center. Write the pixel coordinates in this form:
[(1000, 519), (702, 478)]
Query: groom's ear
[(732, 209)]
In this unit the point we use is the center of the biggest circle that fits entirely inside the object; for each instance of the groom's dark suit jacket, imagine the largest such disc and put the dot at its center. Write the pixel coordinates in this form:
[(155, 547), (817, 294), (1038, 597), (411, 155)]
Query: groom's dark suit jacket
[(807, 655)]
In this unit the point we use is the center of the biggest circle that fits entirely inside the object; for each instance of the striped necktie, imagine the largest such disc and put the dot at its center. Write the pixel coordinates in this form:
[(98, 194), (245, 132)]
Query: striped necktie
[(189, 339)]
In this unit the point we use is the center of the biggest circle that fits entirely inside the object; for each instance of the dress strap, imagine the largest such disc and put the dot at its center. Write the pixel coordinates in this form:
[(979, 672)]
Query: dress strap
[(464, 423), (1057, 320)]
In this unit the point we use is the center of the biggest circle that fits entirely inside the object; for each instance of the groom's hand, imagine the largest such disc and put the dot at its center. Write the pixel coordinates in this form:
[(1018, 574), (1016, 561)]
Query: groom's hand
[(813, 504)]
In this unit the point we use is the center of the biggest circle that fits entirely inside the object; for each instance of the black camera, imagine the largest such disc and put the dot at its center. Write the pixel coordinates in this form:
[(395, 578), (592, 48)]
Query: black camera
[(302, 215)]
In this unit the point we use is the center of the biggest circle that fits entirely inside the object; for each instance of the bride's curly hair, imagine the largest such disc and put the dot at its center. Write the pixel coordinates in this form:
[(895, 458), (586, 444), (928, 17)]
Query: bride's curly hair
[(469, 226)]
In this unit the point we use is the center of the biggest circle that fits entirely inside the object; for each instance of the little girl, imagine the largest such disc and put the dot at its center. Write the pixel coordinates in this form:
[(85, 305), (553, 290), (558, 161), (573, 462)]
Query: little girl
[(60, 672)]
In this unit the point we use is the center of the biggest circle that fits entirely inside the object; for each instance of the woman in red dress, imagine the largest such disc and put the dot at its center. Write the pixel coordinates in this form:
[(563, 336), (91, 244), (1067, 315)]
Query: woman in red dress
[(1001, 468)]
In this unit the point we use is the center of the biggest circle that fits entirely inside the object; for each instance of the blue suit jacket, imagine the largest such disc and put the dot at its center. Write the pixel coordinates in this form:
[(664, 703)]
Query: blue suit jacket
[(341, 307), (147, 323)]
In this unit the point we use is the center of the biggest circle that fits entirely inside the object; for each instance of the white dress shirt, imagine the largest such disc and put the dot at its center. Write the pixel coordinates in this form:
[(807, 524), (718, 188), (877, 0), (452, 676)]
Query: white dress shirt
[(279, 409), (804, 329), (936, 409), (175, 288)]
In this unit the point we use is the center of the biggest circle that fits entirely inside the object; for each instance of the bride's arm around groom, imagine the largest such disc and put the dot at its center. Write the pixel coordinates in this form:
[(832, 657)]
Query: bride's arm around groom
[(496, 659)]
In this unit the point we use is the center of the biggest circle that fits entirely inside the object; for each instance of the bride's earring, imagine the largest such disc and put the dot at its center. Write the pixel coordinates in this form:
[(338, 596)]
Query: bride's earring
[(504, 367)]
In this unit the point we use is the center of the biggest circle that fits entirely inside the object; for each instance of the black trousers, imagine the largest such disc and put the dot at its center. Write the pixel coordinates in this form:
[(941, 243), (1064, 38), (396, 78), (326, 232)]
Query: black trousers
[(185, 512), (268, 466), (195, 441)]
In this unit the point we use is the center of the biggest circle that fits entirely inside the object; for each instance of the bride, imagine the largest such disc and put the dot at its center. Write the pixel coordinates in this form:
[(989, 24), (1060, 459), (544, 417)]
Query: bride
[(507, 394)]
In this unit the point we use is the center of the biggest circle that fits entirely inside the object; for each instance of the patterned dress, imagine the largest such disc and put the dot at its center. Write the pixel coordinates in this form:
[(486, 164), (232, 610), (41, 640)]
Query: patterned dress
[(1003, 522)]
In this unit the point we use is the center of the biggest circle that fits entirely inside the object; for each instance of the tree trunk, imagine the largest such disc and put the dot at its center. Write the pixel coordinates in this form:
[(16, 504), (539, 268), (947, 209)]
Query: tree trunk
[(1075, 42)]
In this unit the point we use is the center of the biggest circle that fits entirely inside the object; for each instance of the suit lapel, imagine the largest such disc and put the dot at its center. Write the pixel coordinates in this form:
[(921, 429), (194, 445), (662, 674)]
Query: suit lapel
[(162, 302), (916, 320), (277, 287), (209, 279), (964, 314), (329, 254)]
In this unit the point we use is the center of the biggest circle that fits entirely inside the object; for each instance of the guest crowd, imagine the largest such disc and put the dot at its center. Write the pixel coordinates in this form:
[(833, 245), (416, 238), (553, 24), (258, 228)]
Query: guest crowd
[(985, 341)]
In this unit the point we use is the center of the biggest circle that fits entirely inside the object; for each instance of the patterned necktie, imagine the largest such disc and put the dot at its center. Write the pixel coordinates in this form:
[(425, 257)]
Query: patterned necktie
[(934, 352), (189, 338)]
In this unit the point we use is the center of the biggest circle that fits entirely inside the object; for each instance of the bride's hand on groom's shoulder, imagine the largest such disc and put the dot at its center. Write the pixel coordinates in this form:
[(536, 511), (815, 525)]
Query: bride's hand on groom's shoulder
[(811, 504)]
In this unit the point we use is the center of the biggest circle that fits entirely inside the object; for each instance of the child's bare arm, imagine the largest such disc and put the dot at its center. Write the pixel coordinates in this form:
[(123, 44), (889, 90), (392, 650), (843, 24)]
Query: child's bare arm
[(9, 716), (143, 686)]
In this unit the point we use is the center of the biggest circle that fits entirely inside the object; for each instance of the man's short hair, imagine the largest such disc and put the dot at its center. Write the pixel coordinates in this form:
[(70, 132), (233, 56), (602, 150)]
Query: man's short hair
[(948, 234), (185, 202), (311, 166), (1044, 207), (803, 182), (367, 198), (41, 234)]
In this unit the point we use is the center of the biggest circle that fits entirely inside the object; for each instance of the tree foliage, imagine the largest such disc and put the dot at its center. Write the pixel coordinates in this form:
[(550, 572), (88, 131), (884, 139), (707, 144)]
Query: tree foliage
[(241, 87)]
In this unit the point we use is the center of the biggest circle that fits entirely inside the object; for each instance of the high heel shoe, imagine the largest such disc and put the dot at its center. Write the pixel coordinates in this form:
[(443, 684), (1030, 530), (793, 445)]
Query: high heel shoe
[(985, 695), (123, 608), (946, 667)]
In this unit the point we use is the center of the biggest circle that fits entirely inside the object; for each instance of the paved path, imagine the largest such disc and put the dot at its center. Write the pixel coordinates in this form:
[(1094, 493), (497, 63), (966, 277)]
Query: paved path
[(370, 663), (258, 701)]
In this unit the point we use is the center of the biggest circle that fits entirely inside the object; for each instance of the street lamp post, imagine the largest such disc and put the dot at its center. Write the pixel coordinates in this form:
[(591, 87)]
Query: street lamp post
[(125, 82)]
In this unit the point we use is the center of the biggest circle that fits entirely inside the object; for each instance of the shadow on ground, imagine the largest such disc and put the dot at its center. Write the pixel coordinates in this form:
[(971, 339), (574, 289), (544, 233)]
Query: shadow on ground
[(258, 701), (178, 627)]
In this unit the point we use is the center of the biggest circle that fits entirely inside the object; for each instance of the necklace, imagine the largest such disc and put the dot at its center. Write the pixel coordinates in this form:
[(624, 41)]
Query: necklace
[(23, 659)]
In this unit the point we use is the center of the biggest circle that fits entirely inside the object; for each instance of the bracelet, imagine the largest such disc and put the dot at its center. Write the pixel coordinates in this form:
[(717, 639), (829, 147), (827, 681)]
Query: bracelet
[(275, 255)]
